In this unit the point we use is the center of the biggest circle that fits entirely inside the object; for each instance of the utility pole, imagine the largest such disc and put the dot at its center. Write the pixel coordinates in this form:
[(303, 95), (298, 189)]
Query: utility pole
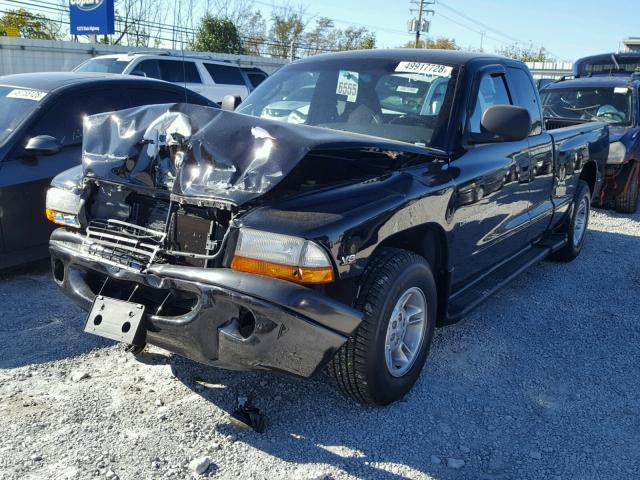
[(420, 24), (420, 8)]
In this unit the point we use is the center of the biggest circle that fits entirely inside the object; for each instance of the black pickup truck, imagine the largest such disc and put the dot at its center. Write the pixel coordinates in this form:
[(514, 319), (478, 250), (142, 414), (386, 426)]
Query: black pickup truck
[(412, 185)]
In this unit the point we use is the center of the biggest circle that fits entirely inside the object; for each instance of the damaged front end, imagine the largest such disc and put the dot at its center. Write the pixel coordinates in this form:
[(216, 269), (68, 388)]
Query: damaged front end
[(149, 235)]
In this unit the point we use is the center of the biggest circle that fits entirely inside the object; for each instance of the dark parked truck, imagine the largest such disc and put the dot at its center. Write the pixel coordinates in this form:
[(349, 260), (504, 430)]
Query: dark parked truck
[(614, 99), (414, 184)]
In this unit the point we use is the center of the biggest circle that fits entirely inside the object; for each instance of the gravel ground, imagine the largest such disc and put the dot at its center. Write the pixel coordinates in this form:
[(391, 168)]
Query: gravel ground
[(542, 382)]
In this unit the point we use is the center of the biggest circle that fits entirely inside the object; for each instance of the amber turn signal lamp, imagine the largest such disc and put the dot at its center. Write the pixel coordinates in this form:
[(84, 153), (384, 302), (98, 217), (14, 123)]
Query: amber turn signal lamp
[(306, 275)]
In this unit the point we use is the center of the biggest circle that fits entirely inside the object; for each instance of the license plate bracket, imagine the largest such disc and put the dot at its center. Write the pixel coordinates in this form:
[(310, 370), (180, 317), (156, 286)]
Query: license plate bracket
[(115, 319)]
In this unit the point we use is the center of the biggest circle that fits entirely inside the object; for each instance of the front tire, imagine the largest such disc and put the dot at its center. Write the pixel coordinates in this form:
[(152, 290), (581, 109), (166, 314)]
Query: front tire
[(577, 225), (383, 359)]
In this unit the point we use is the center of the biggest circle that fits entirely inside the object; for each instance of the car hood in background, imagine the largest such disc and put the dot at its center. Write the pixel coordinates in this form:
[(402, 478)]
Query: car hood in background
[(208, 153)]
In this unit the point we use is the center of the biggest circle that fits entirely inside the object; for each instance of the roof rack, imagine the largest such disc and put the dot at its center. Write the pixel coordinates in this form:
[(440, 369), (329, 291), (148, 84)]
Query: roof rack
[(148, 52), (202, 56)]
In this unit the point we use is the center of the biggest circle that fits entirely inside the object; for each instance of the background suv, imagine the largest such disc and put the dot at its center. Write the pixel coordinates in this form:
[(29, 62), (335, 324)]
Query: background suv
[(209, 78)]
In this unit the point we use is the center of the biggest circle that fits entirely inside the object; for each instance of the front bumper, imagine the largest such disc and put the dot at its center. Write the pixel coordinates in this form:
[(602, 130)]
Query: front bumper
[(214, 316)]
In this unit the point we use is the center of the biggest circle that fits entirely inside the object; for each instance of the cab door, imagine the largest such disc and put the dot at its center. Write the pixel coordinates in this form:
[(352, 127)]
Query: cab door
[(23, 199), (540, 153), (491, 203)]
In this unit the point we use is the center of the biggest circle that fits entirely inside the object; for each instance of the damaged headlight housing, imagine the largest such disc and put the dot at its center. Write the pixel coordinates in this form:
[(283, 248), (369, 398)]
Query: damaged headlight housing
[(617, 153), (281, 256), (63, 198), (63, 207)]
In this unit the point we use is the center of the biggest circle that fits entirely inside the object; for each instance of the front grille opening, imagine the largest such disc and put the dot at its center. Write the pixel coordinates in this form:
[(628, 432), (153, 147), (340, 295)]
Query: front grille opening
[(157, 301), (123, 243)]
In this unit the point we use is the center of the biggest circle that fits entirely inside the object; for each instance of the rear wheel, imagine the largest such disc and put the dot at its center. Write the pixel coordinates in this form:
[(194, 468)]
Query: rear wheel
[(381, 362), (627, 202), (577, 225)]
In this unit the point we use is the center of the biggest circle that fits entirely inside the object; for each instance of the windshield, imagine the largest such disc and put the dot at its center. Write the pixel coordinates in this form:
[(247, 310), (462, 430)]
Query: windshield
[(16, 104), (397, 100), (103, 65), (609, 104)]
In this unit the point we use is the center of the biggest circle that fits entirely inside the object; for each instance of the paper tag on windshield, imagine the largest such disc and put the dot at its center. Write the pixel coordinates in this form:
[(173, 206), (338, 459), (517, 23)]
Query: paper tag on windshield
[(403, 89), (622, 90), (24, 94), (427, 68), (348, 85)]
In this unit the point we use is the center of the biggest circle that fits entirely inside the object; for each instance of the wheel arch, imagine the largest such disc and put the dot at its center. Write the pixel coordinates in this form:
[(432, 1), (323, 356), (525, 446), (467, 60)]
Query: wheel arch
[(430, 242), (589, 174)]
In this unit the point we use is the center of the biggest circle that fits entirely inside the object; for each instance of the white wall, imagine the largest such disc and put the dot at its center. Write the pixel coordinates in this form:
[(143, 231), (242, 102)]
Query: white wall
[(20, 55), (550, 69)]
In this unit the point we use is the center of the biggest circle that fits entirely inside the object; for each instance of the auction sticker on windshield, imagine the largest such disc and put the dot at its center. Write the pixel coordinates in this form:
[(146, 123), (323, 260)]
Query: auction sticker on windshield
[(348, 85), (24, 94), (428, 68)]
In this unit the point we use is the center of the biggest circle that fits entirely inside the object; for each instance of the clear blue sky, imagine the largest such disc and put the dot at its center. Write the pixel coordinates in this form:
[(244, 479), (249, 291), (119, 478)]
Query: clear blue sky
[(567, 28)]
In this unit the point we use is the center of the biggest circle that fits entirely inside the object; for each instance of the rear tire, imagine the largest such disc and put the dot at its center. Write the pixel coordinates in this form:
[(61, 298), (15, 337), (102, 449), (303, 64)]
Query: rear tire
[(383, 359), (627, 202), (577, 225)]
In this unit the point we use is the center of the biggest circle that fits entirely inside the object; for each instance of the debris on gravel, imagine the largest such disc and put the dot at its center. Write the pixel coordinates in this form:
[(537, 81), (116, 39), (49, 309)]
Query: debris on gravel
[(540, 382), (200, 465), (81, 375)]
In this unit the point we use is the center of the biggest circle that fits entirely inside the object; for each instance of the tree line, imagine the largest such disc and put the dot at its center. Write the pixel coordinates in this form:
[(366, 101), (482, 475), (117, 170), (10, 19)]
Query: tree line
[(228, 26)]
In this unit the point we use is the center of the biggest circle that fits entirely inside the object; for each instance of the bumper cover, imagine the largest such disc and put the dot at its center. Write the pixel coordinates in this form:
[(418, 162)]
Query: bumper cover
[(292, 328)]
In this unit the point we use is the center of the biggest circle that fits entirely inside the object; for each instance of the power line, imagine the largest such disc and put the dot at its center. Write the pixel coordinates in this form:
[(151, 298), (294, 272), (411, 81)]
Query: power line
[(486, 27)]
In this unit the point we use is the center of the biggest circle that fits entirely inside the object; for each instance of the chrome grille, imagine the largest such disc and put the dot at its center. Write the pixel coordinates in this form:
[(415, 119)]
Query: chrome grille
[(123, 244)]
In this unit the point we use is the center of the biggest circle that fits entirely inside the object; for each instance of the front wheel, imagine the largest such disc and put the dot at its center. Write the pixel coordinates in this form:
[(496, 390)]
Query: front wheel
[(577, 224), (381, 362)]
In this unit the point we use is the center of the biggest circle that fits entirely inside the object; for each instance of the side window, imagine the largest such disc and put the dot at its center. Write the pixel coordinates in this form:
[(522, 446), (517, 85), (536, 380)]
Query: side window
[(177, 71), (154, 96), (524, 95), (225, 74), (65, 118), (149, 67), (492, 91)]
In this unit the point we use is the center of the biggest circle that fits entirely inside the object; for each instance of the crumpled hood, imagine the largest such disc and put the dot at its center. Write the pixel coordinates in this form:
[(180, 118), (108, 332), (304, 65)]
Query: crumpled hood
[(203, 152)]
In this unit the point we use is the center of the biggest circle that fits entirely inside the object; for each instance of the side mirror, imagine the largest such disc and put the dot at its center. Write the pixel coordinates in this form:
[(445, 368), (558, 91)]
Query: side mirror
[(42, 145), (505, 123), (230, 102), (139, 73)]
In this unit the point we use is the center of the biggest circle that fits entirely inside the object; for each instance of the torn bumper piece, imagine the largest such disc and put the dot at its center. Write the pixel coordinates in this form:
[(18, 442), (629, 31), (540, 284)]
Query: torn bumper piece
[(214, 316)]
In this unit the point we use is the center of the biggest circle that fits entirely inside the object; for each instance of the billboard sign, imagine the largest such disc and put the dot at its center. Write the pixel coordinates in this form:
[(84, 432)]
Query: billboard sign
[(92, 17)]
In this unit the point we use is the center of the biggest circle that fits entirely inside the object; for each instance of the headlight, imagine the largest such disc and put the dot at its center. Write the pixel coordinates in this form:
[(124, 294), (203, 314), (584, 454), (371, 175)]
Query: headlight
[(63, 207), (617, 153), (281, 256)]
